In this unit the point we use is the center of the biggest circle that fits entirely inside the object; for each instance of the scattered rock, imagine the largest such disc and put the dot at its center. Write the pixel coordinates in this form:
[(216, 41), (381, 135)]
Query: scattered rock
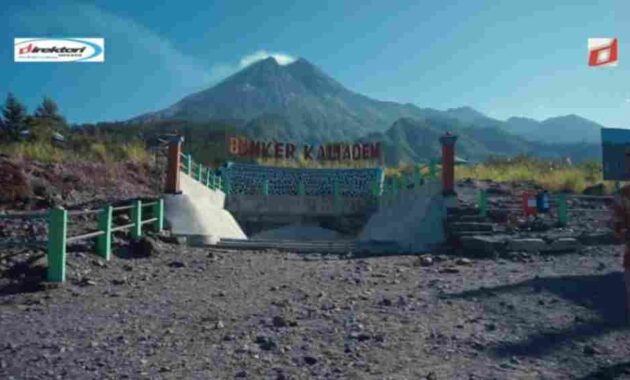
[(266, 343), (431, 376), (144, 247), (219, 325), (449, 270), (176, 264), (310, 360), (425, 261), (279, 321), (463, 261)]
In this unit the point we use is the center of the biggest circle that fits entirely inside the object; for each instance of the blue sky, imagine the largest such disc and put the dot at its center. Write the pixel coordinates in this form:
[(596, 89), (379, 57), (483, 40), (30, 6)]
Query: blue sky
[(504, 58)]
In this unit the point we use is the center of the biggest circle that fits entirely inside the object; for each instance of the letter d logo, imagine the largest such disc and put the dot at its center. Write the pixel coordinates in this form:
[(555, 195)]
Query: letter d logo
[(26, 49)]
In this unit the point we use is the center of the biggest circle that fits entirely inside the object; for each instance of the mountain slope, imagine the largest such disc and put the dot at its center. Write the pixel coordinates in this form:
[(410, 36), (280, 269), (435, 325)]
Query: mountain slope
[(562, 129), (315, 105)]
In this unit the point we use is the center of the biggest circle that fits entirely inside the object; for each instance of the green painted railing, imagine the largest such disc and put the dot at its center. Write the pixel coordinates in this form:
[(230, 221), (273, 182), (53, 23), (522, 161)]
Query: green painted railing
[(200, 173), (58, 231)]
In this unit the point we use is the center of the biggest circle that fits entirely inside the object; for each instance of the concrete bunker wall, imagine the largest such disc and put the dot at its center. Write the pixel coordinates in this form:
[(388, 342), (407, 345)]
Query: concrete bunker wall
[(199, 214), (413, 222)]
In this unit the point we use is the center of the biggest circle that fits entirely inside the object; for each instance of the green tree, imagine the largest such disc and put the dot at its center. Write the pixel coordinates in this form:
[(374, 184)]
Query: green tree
[(47, 120), (14, 117)]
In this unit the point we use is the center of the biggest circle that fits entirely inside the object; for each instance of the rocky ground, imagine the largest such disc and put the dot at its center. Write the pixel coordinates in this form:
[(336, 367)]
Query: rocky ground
[(176, 312), (160, 310)]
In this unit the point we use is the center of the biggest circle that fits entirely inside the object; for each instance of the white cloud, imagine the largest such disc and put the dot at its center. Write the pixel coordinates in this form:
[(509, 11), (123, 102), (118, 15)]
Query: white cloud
[(281, 58)]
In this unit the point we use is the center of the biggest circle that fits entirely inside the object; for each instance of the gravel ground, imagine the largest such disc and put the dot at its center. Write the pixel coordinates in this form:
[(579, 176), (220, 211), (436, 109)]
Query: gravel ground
[(199, 313)]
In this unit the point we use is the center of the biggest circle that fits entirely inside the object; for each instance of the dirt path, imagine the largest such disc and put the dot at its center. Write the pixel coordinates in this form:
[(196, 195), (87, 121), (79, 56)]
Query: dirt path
[(201, 314)]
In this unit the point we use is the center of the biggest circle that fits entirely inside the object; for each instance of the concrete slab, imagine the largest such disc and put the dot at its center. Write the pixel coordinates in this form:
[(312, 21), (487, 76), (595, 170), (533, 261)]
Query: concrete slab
[(198, 214), (414, 221)]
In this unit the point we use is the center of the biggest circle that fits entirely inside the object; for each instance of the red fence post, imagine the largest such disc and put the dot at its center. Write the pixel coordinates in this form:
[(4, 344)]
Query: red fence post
[(172, 170), (448, 163)]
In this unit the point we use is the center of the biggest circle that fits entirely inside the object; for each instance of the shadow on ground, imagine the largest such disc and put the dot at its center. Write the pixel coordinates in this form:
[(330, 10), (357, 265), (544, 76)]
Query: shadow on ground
[(24, 277), (614, 371), (603, 294)]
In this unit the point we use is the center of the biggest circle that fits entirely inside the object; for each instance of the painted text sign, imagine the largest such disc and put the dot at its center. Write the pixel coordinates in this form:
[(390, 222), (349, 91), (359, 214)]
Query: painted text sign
[(243, 147)]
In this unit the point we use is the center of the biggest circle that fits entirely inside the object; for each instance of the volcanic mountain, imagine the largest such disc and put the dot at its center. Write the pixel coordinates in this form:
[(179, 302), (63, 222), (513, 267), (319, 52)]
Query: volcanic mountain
[(300, 102)]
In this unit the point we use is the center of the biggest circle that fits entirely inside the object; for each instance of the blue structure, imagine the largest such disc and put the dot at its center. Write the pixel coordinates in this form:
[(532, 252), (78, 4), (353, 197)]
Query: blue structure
[(251, 179)]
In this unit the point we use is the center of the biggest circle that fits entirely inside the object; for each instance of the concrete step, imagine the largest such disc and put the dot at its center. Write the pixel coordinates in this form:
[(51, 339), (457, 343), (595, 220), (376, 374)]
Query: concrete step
[(470, 226), (294, 246)]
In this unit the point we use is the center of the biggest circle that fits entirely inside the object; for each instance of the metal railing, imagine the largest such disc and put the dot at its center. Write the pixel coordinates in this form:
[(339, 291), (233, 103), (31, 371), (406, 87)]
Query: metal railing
[(201, 173), (58, 232)]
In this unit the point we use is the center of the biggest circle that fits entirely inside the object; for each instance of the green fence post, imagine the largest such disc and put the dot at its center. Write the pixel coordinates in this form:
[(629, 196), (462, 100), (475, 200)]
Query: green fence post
[(265, 187), (104, 242), (225, 185), (483, 203), (395, 187), (199, 171), (208, 177), (189, 165), (562, 209), (336, 197), (158, 212), (432, 169), (136, 218), (374, 188), (301, 190), (57, 229)]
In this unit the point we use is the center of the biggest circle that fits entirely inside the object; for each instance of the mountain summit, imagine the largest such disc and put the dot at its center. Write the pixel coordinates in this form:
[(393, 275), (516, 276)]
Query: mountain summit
[(299, 101), (314, 106)]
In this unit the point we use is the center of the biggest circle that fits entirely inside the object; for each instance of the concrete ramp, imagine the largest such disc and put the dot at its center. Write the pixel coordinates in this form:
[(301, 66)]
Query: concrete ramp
[(413, 222), (198, 214)]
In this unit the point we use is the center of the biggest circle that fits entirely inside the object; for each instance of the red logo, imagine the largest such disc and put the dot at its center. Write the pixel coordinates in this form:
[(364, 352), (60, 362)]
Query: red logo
[(27, 49), (602, 52)]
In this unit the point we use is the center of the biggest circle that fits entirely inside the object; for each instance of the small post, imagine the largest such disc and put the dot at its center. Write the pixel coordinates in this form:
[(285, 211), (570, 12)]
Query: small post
[(432, 169), (104, 242), (136, 218), (301, 189), (395, 187), (336, 197), (173, 167), (225, 185), (483, 203), (189, 164), (562, 209), (57, 229), (199, 171), (158, 212), (265, 187), (208, 177), (374, 188), (448, 163)]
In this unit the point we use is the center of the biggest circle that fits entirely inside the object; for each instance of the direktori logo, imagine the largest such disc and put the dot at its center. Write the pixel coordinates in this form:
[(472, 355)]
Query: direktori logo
[(59, 50)]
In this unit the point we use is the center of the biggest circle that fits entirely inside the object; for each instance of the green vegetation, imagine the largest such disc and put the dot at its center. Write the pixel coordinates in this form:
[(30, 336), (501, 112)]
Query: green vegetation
[(46, 137), (549, 174)]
